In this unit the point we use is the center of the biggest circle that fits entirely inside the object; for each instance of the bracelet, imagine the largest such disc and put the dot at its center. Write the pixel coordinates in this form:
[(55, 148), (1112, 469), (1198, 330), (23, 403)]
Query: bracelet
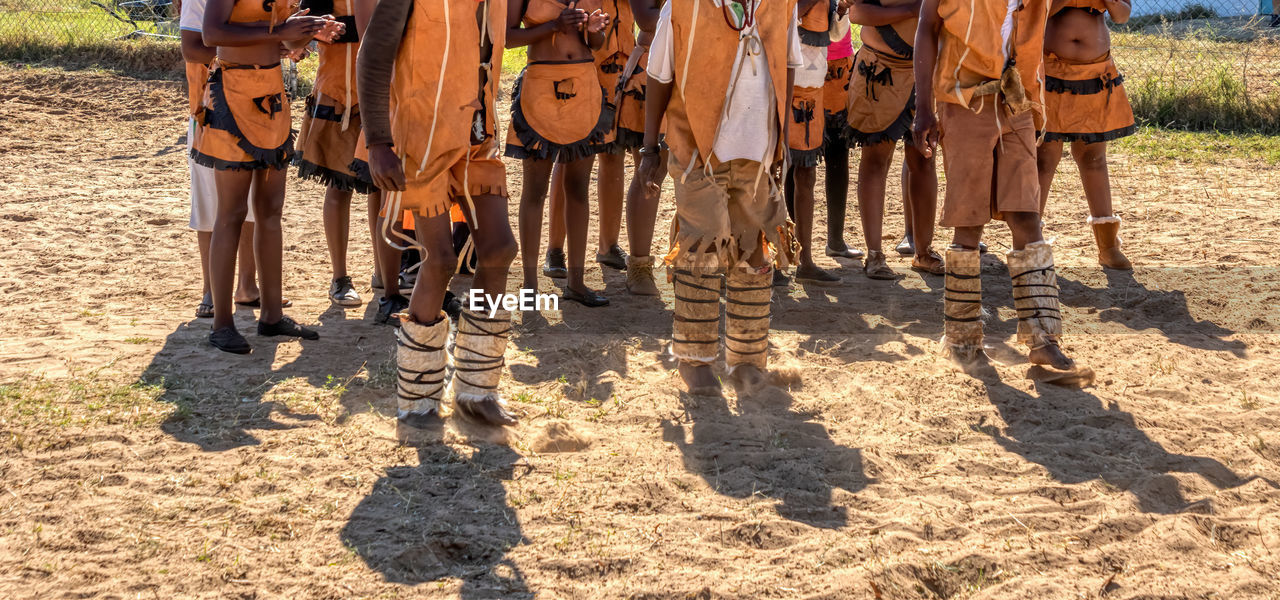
[(647, 150)]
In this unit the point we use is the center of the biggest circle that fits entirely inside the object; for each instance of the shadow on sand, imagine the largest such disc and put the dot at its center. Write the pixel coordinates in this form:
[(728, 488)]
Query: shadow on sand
[(445, 518)]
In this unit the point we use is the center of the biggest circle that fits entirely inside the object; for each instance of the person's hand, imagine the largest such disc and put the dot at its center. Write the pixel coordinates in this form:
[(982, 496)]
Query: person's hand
[(385, 168), (300, 26), (597, 21), (924, 132), (571, 19), (648, 173), (297, 55), (333, 29), (842, 7)]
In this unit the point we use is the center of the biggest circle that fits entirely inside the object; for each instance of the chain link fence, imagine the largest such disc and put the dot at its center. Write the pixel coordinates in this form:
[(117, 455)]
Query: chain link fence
[(1198, 64), (1202, 64), (86, 21)]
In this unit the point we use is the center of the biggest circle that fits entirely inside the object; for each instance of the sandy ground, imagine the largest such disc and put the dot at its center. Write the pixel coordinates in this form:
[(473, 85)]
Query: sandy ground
[(136, 461)]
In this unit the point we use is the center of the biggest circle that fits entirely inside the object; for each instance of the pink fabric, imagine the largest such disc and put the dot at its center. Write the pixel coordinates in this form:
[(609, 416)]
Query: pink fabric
[(842, 48)]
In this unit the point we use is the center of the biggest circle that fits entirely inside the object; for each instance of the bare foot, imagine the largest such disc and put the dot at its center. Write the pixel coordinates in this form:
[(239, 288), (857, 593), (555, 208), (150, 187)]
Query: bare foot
[(488, 411), (1051, 355), (748, 379), (699, 378)]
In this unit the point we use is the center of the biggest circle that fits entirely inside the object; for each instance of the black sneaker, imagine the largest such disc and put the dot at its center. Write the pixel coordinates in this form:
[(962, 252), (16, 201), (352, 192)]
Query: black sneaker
[(343, 293), (555, 267), (614, 258), (388, 307), (780, 278), (228, 339), (287, 327)]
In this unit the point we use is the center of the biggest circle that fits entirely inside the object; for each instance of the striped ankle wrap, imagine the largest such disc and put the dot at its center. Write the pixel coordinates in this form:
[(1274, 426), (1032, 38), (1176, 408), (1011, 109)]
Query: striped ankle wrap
[(479, 352), (420, 365), (695, 335), (962, 299), (749, 295), (1035, 294)]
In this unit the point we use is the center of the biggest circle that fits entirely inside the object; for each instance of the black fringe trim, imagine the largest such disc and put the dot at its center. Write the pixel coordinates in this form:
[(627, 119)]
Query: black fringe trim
[(625, 141), (362, 173), (1081, 87), (816, 39), (900, 129), (325, 112), (806, 158), (561, 153), (331, 178), (205, 160), (219, 116), (1092, 138)]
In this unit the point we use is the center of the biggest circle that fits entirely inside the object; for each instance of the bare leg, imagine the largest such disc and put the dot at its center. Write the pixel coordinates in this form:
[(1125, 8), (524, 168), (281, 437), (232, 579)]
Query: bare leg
[(873, 171), (1025, 228), (436, 235), (533, 195), (373, 204), (202, 241), (577, 180), (1092, 161), (967, 238), (907, 199), (922, 190), (495, 245), (609, 189), (836, 157), (555, 233), (642, 212), (246, 284), (389, 258), (1047, 158), (337, 222), (804, 179), (224, 241), (268, 238)]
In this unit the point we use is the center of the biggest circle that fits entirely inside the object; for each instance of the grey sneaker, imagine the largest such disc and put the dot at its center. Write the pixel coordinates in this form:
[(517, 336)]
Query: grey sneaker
[(342, 293)]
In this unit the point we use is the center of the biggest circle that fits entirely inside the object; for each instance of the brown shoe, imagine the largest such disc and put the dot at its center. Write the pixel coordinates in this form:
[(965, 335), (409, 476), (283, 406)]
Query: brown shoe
[(1106, 231), (640, 281), (876, 267), (931, 264)]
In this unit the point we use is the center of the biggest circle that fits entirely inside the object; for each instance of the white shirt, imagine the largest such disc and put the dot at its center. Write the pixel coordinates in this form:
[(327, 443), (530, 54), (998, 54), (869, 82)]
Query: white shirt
[(751, 106), (192, 18), (813, 73)]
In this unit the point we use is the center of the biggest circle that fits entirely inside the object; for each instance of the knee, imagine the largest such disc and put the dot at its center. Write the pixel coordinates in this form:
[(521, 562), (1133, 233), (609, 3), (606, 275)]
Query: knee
[(497, 250), (440, 262), (1090, 156), (879, 156), (534, 197), (1023, 221), (805, 177), (917, 162)]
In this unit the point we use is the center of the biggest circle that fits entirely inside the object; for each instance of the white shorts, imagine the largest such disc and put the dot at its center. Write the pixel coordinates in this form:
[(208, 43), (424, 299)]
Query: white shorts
[(204, 192)]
